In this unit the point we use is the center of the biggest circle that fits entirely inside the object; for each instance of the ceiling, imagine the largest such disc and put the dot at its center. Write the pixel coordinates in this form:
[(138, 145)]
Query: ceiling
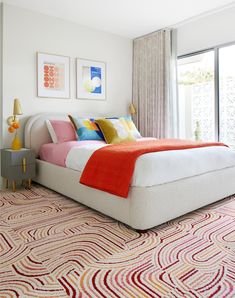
[(129, 18)]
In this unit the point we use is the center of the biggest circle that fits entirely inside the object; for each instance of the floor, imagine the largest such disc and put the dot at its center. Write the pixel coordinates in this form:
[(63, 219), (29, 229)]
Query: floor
[(51, 246)]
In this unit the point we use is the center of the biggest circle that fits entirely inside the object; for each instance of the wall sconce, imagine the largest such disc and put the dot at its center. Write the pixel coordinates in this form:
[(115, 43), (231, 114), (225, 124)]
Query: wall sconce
[(132, 109), (14, 124)]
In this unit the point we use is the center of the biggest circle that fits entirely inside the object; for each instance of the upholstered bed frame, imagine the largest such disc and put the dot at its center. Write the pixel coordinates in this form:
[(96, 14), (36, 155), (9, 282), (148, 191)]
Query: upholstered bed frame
[(145, 207)]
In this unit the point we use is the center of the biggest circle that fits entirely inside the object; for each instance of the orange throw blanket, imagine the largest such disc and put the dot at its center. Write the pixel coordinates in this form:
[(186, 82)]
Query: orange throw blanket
[(111, 168)]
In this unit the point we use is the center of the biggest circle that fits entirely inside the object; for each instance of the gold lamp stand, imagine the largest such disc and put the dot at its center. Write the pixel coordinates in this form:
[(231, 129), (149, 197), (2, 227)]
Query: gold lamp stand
[(16, 143)]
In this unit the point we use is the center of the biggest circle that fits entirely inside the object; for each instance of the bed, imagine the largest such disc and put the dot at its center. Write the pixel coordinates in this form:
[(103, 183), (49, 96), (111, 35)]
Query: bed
[(145, 207)]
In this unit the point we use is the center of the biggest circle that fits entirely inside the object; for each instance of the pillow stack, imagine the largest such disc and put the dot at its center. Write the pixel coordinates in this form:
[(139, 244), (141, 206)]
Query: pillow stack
[(112, 130)]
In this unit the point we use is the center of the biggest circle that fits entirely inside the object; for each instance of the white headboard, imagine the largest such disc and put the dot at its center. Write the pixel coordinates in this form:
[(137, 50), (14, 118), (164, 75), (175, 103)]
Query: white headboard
[(36, 133)]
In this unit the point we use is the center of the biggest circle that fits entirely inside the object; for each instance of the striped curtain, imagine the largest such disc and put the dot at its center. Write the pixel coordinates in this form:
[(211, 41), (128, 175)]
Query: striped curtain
[(155, 84)]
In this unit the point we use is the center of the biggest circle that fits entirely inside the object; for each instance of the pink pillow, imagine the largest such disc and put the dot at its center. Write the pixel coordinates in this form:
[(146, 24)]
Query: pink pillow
[(61, 131)]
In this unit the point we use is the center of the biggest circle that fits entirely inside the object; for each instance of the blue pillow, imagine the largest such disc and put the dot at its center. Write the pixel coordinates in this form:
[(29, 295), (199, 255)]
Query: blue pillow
[(86, 129)]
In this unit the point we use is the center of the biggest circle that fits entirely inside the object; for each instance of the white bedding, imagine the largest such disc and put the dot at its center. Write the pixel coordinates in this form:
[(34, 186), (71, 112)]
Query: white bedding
[(163, 167)]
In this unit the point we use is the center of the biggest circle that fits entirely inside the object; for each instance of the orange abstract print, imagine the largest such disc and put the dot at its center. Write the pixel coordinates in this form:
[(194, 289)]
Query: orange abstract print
[(54, 76)]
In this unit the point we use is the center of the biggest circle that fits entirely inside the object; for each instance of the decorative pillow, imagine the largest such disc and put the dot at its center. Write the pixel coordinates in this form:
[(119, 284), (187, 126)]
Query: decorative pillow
[(131, 127), (115, 130), (61, 131), (86, 129)]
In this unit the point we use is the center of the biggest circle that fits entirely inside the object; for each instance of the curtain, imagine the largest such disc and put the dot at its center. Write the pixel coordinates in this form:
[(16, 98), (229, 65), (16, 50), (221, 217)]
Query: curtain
[(155, 84)]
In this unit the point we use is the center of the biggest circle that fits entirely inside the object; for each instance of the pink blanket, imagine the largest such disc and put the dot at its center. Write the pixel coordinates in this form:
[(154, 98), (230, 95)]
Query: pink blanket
[(57, 153)]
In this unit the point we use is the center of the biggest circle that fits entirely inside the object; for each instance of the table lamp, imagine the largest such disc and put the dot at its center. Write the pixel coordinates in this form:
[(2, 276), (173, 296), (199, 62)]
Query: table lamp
[(14, 124)]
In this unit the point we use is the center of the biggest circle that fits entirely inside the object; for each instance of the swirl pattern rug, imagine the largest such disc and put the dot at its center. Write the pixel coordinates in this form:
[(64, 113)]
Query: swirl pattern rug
[(52, 246)]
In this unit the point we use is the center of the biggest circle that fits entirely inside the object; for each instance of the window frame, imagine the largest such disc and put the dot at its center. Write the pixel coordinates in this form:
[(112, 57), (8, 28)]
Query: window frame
[(215, 49)]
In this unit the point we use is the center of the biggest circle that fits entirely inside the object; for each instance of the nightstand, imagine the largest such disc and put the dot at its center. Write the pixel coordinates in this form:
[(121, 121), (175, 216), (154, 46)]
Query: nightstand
[(17, 165)]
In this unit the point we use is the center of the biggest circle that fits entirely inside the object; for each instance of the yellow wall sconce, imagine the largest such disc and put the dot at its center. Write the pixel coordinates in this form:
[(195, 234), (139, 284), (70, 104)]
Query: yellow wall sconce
[(14, 124), (132, 109)]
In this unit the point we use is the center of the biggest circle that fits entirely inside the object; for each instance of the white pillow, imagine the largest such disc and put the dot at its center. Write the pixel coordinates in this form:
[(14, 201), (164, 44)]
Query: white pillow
[(51, 132)]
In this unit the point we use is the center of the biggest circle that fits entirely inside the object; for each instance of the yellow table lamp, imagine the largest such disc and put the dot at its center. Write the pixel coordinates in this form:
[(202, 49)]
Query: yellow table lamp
[(14, 124)]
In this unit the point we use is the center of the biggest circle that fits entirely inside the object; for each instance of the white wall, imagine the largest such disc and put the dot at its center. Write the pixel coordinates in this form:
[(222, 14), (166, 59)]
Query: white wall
[(1, 92), (26, 32), (206, 32), (1, 95)]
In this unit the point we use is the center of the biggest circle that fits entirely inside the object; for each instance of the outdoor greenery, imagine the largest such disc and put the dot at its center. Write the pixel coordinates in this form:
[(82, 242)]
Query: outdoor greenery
[(196, 77)]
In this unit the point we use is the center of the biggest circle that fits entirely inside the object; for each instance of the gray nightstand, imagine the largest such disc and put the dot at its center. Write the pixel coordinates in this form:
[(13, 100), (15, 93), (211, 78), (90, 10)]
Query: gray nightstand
[(17, 165)]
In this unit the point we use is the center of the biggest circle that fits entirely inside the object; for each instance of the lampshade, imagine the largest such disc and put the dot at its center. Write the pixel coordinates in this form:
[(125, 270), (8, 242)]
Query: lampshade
[(17, 107), (132, 109)]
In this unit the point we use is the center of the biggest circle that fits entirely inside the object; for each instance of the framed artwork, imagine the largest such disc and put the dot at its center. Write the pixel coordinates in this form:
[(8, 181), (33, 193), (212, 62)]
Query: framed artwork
[(91, 79), (53, 74)]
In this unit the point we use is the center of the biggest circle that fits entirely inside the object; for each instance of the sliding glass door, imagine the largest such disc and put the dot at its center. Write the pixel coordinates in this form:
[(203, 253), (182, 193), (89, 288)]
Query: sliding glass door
[(206, 84), (196, 96), (227, 95)]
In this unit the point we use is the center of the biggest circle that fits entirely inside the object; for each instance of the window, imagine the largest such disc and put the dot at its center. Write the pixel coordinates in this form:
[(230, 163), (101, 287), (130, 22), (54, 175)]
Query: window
[(206, 84), (227, 95)]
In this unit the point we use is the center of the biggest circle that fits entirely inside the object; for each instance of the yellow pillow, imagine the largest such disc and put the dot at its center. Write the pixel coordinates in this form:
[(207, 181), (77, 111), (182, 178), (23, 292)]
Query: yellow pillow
[(131, 126), (114, 131)]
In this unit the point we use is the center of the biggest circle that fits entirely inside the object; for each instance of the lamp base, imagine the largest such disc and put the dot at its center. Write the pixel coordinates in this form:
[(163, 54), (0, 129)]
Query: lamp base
[(16, 143)]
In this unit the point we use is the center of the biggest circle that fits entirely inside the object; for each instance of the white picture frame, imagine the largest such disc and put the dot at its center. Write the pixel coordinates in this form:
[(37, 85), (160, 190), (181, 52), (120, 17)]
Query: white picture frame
[(53, 75), (91, 79)]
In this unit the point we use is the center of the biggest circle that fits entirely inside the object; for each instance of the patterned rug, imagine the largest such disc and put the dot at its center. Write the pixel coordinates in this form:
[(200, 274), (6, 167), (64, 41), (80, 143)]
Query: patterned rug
[(51, 246)]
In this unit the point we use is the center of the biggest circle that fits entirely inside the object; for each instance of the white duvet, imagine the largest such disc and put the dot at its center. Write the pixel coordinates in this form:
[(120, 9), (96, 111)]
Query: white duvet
[(163, 167)]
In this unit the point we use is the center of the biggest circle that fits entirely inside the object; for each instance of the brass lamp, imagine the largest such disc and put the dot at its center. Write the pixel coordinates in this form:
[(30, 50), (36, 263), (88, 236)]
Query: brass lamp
[(17, 108), (13, 123), (132, 109)]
